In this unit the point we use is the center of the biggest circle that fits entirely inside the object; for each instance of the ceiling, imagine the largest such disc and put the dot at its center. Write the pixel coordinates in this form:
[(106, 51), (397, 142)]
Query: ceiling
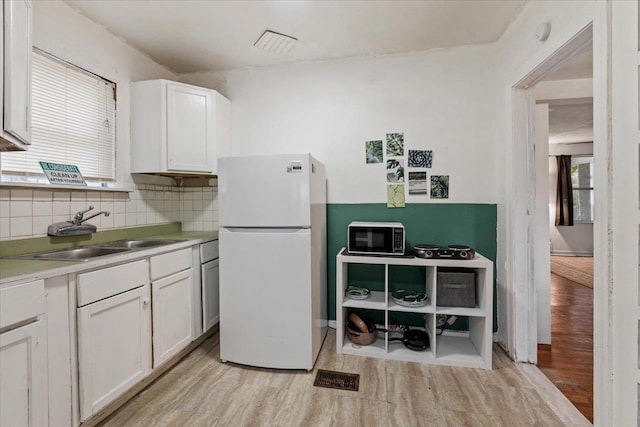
[(203, 36), (571, 121)]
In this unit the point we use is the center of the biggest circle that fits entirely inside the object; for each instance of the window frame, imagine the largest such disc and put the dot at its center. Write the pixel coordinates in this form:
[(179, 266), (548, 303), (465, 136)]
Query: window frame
[(591, 189), (40, 179)]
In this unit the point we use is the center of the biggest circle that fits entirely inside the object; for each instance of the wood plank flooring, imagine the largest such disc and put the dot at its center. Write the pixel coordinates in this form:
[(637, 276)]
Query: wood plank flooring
[(568, 362), (202, 391)]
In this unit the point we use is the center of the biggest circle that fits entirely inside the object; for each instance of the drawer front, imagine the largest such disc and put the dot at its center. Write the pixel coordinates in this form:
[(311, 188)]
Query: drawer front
[(208, 251), (21, 302), (169, 263), (100, 284)]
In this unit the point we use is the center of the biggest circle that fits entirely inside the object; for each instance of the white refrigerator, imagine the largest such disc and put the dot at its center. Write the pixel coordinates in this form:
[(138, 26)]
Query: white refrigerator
[(273, 259)]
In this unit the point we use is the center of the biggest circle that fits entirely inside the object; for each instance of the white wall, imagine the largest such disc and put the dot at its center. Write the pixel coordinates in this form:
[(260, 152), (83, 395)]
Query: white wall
[(442, 101), (25, 213), (577, 239)]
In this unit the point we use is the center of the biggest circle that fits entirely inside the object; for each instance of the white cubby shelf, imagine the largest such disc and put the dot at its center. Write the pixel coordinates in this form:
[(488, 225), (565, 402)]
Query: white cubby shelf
[(470, 348)]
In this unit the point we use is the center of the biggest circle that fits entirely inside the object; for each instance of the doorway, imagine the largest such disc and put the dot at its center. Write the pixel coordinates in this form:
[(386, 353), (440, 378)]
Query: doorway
[(532, 264), (564, 131)]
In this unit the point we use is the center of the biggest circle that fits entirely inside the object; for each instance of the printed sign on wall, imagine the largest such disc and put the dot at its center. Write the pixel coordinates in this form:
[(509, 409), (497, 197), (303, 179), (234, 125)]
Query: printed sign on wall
[(58, 173)]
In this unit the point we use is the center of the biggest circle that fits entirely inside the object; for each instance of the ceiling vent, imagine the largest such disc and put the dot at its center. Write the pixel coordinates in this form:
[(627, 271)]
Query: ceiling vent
[(275, 42)]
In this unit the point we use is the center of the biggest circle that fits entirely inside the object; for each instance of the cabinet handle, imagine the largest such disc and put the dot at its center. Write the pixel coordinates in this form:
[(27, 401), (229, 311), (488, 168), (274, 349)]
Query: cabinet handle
[(146, 301)]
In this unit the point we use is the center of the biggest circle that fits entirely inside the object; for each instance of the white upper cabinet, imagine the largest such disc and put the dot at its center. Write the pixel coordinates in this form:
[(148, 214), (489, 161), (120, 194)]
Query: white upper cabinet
[(177, 128), (15, 75)]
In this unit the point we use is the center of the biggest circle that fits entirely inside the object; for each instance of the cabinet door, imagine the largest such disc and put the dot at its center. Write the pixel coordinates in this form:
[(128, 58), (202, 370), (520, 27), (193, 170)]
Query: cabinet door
[(17, 69), (23, 374), (114, 347), (172, 315), (210, 294), (190, 129)]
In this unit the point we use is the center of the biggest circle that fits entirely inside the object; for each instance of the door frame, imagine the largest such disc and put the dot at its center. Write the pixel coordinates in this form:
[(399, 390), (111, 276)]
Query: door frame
[(524, 192), (522, 226)]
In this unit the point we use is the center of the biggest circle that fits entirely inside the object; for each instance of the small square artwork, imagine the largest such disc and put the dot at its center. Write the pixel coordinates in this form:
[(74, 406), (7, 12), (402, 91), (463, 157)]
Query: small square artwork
[(374, 151), (395, 170), (420, 158), (418, 183), (395, 196), (439, 186), (395, 144)]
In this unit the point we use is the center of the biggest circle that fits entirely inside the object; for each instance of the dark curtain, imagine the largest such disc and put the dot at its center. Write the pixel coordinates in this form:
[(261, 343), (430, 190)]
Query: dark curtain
[(564, 193)]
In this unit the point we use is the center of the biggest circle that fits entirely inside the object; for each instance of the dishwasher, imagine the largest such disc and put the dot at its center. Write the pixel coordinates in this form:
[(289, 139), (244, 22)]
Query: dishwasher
[(210, 284)]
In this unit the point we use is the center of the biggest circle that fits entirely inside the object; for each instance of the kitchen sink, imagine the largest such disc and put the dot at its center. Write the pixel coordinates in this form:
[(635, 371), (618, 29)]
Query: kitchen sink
[(136, 244), (73, 254), (85, 253)]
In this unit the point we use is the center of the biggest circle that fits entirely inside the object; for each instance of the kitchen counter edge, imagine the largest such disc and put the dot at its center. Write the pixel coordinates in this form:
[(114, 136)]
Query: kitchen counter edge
[(14, 271)]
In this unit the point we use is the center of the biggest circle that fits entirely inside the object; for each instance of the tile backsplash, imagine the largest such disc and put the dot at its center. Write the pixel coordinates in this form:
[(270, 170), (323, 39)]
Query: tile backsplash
[(26, 213)]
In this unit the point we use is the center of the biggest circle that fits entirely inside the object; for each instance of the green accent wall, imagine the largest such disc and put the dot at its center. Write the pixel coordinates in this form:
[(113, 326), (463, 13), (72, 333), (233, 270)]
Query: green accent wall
[(442, 224)]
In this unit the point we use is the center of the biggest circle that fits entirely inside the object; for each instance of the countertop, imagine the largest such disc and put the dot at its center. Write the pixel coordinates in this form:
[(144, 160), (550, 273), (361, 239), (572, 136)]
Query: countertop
[(18, 270)]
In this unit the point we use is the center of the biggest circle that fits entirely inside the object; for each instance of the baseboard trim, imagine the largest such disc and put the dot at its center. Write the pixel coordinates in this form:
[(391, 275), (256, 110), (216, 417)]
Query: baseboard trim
[(571, 253)]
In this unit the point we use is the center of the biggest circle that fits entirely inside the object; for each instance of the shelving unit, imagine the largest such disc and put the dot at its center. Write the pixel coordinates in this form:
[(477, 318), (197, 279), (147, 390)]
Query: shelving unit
[(470, 348)]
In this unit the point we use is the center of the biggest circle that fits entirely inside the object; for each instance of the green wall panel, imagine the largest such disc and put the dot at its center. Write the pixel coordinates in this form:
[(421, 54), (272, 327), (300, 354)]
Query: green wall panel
[(441, 224)]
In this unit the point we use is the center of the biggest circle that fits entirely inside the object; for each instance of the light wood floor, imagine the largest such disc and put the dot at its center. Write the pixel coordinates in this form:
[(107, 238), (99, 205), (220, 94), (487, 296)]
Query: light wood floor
[(568, 361), (202, 391)]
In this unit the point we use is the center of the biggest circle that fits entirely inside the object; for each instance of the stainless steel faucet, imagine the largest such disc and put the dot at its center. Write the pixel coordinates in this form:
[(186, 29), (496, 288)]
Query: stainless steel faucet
[(78, 217), (76, 226)]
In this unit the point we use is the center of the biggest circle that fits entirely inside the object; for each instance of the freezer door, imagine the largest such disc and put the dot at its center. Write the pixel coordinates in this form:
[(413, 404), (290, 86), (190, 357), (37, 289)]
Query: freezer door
[(264, 191), (265, 298)]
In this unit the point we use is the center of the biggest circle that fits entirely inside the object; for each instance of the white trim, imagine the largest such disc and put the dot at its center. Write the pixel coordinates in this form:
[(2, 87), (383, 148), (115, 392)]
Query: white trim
[(6, 184), (556, 90), (523, 197), (520, 223), (623, 204), (571, 253), (602, 331)]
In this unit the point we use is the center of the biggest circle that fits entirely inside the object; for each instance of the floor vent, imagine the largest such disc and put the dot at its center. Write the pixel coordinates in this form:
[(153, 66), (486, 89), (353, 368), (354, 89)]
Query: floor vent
[(338, 380)]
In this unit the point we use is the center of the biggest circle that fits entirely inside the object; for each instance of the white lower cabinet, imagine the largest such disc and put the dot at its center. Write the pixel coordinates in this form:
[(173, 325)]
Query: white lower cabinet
[(114, 347), (121, 322), (23, 355), (172, 294), (172, 315), (23, 376)]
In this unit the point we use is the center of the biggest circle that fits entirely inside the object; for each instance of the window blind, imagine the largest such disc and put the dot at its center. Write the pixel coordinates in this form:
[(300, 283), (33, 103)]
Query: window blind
[(73, 121)]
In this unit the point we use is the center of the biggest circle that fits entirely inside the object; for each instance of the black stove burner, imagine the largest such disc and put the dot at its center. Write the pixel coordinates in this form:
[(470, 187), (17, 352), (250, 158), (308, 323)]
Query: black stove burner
[(425, 250), (459, 247)]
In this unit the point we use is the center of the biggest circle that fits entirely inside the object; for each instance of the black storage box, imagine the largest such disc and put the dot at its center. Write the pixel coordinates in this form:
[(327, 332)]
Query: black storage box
[(456, 288)]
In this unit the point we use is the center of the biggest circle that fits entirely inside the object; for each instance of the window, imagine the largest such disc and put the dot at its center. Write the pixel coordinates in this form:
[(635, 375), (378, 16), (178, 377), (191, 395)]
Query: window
[(582, 183), (73, 121)]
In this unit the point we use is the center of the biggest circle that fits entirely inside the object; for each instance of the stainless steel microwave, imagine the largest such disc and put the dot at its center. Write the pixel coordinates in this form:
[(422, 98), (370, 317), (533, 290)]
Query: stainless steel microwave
[(375, 238)]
